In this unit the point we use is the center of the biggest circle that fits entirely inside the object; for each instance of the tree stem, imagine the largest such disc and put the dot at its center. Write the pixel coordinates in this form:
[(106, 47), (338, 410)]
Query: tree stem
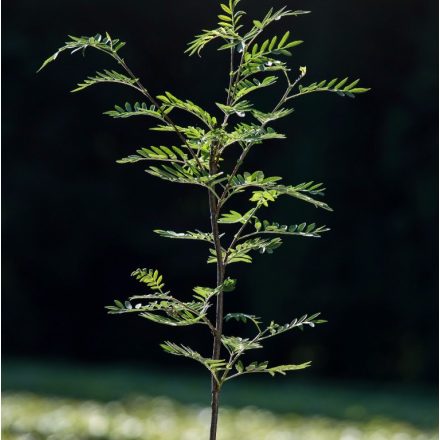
[(214, 410), (215, 388)]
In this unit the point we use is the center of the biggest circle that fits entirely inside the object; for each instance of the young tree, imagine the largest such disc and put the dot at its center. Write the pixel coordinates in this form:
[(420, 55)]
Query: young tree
[(256, 62)]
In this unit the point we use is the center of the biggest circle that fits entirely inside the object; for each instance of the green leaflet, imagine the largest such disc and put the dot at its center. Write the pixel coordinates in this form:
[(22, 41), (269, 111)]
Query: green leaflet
[(281, 369), (299, 195), (264, 197), (235, 217), (190, 132), (177, 317), (262, 55), (334, 86), (150, 277), (252, 134), (240, 108), (262, 367), (180, 174), (170, 102), (264, 118), (302, 229), (253, 179), (188, 235), (137, 109), (107, 76), (235, 344), (234, 257), (275, 329), (204, 294), (156, 153), (201, 40), (229, 285), (243, 317), (301, 192), (245, 86)]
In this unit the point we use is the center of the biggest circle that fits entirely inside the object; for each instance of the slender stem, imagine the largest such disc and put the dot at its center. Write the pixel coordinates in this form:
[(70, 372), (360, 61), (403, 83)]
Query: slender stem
[(215, 387), (214, 208)]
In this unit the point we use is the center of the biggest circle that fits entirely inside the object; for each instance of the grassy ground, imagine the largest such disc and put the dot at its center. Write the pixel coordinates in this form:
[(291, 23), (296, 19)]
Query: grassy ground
[(70, 402)]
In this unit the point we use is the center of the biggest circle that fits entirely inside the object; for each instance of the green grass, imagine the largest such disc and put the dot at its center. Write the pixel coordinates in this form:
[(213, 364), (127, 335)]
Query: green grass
[(58, 401)]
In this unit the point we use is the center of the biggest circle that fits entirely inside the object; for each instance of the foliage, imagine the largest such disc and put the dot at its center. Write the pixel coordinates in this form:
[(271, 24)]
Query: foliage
[(198, 160)]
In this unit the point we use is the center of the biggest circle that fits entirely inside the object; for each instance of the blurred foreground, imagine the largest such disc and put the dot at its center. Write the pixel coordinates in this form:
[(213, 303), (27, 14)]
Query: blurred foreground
[(28, 417), (111, 403)]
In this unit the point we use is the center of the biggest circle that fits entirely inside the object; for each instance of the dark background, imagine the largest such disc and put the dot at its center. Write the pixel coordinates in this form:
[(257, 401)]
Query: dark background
[(75, 224)]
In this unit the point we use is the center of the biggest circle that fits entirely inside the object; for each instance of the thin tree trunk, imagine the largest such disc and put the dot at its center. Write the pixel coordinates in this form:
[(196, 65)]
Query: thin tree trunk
[(214, 410), (215, 389)]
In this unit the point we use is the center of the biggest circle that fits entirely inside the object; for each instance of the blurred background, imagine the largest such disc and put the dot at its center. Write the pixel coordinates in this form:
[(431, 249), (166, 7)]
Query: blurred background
[(75, 224)]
